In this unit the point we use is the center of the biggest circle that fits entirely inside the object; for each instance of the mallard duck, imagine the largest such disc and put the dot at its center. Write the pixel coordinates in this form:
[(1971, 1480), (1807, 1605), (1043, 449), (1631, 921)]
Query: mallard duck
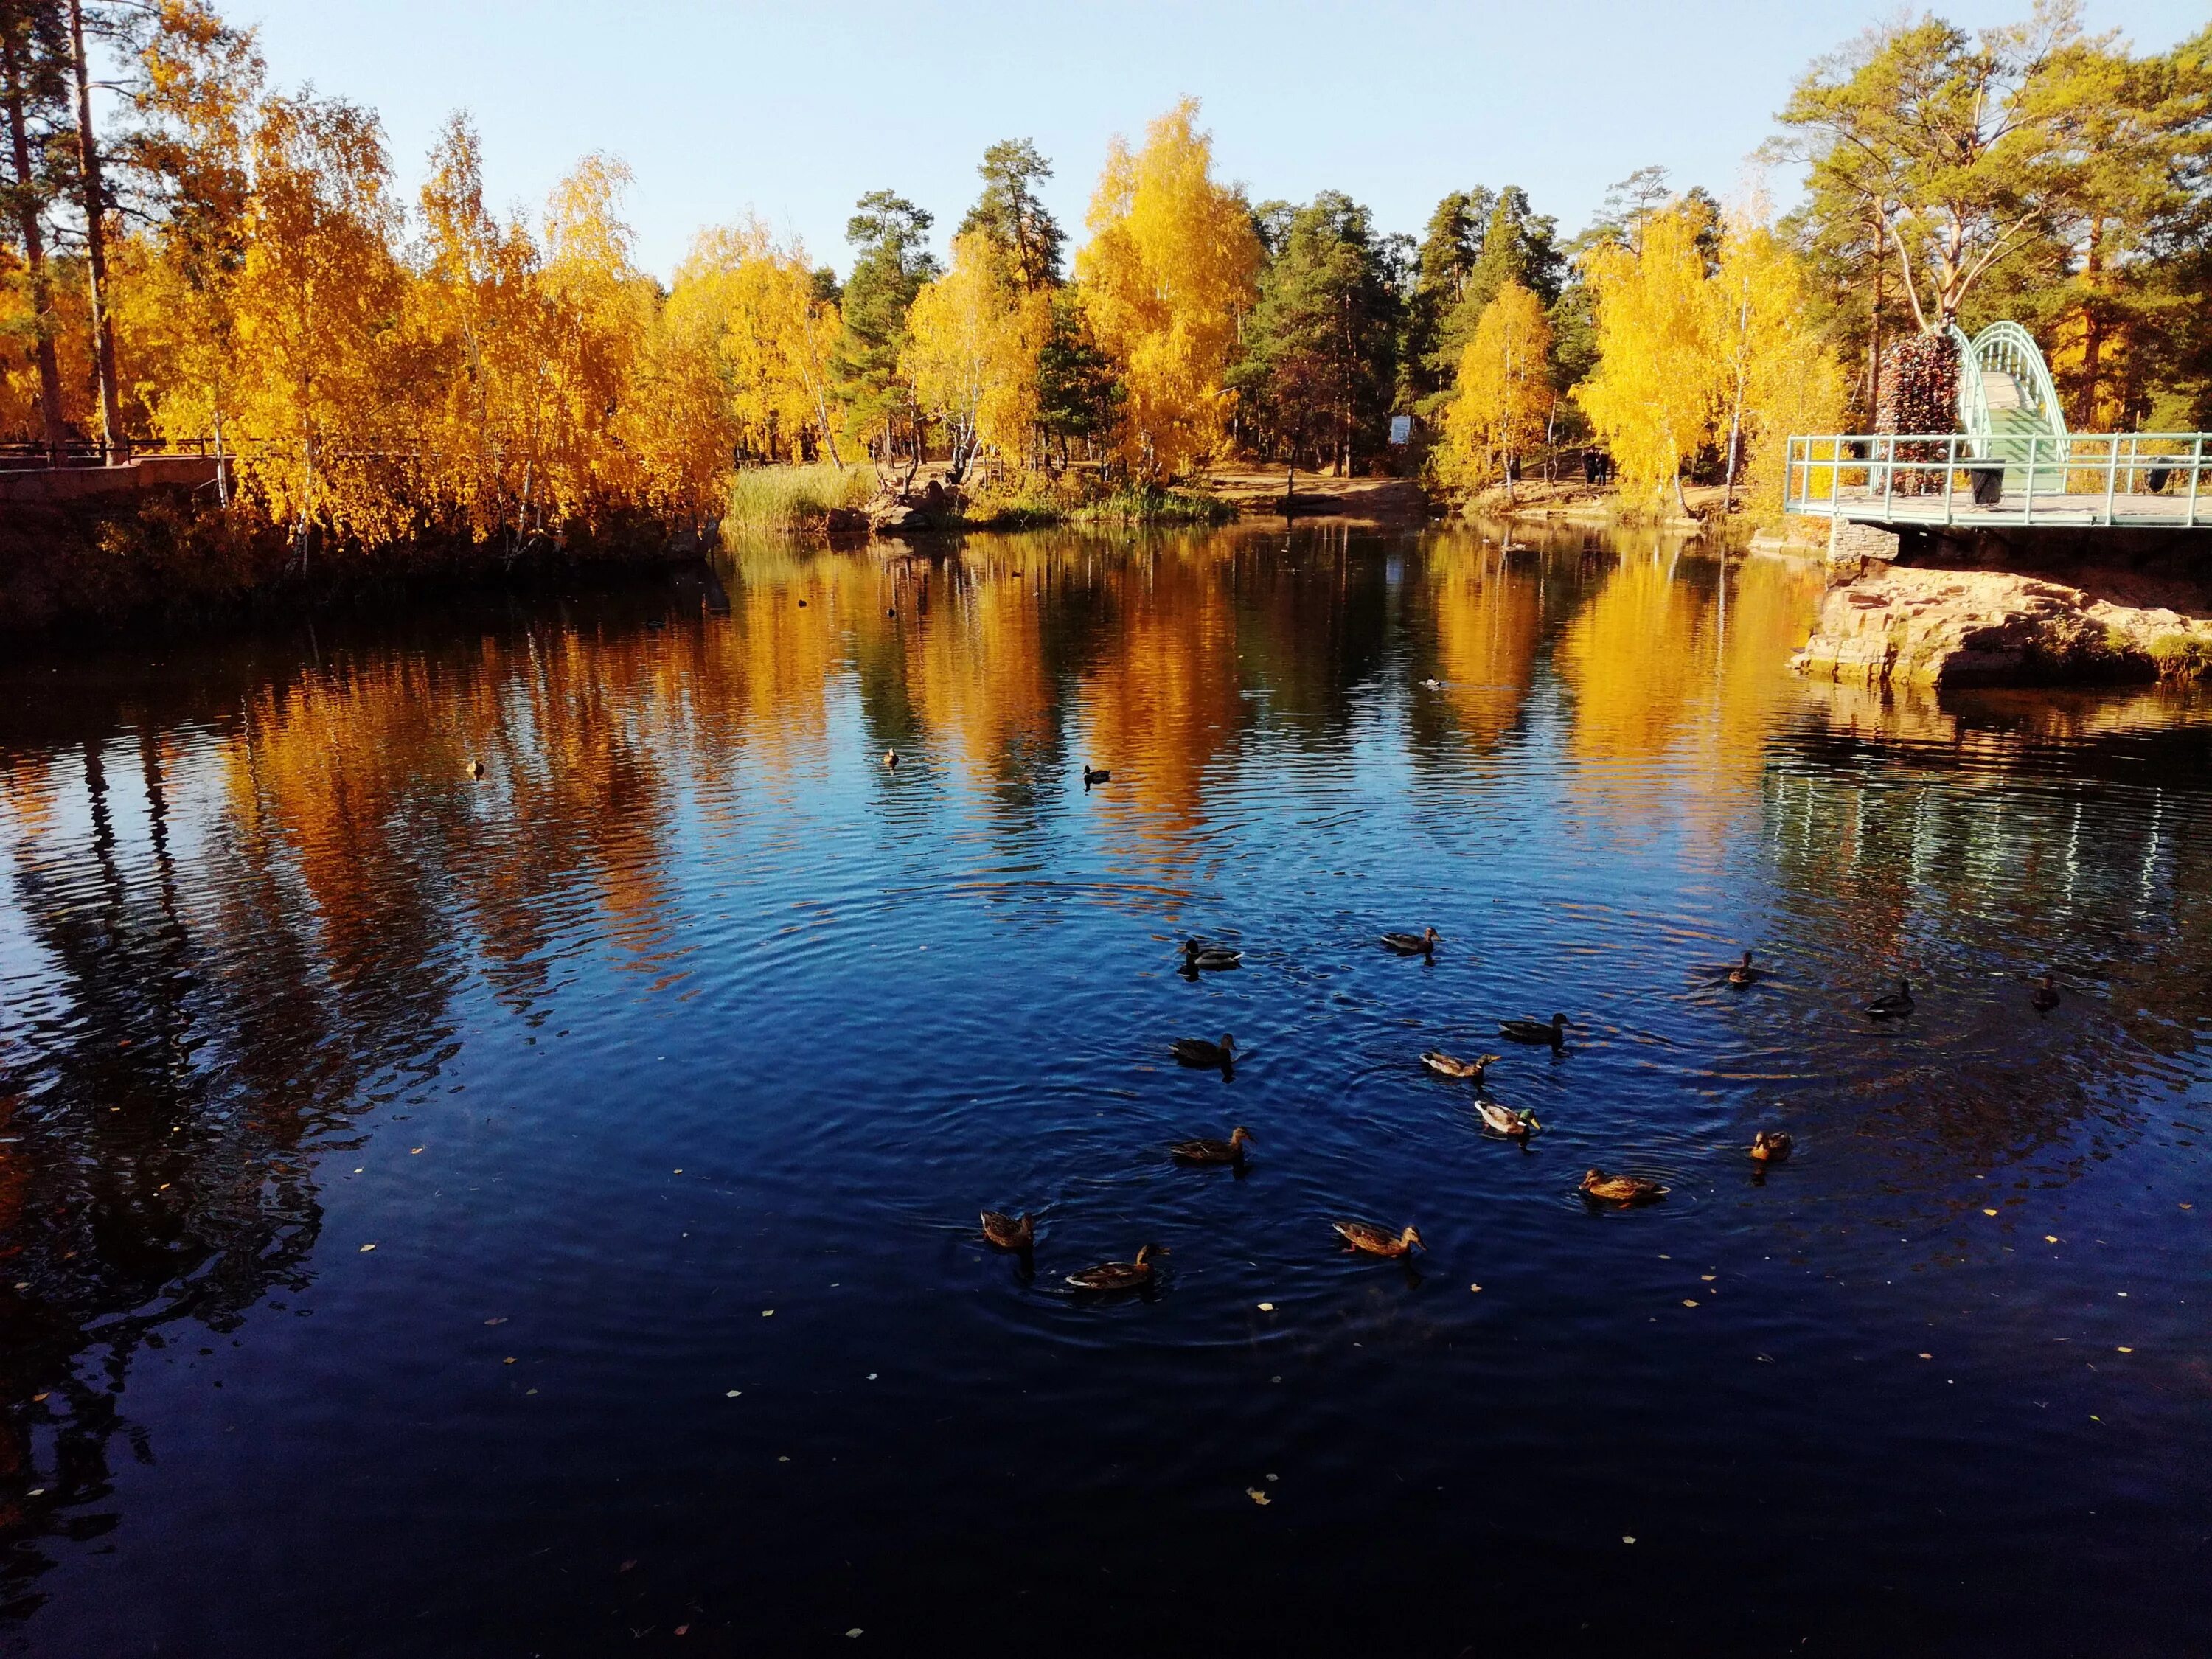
[(1197, 953), (1743, 973), (2045, 997), (1211, 1056), (476, 768), (1896, 1004), (1009, 1232), (1620, 1188), (1534, 1030), (890, 757), (1118, 1275), (1446, 1065), (1519, 1125), (1096, 774), (1423, 944), (1371, 1240), (1770, 1146), (1203, 1150)]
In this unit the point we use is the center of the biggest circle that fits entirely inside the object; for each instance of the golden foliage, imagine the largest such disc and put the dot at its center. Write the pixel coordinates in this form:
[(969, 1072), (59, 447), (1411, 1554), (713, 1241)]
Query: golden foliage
[(973, 338), (1653, 395), (1775, 361), (1172, 265), (1503, 389)]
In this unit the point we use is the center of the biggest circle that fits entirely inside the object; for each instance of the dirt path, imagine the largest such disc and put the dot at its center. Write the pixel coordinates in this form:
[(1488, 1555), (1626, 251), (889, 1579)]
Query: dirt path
[(1315, 495)]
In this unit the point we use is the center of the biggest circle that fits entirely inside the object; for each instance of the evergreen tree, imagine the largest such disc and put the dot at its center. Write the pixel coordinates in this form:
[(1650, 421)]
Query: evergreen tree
[(1518, 246), (1077, 395), (1320, 348), (892, 266), (1010, 215)]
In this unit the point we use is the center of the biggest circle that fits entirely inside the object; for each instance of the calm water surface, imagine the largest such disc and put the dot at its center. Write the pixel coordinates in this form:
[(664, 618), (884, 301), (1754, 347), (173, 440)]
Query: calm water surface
[(538, 1215)]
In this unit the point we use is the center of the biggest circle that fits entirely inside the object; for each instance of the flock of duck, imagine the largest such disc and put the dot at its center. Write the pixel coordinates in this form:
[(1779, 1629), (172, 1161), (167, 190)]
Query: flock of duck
[(1768, 1147)]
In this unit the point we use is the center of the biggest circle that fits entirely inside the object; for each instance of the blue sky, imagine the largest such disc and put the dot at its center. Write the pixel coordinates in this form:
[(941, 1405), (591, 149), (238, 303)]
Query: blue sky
[(792, 111)]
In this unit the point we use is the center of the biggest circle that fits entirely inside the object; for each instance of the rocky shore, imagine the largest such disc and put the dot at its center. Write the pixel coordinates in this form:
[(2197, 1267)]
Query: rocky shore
[(1944, 625)]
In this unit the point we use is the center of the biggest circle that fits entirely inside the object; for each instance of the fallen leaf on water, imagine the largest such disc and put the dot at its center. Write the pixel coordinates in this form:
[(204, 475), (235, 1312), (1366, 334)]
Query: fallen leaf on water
[(681, 1630), (1267, 1307), (1708, 1278), (1688, 1302), (1989, 1212), (413, 1152), (1476, 1288), (365, 1249), (38, 1397), (2127, 1351), (626, 1567), (871, 1376), (767, 1313), (509, 1360), (2050, 1238), (783, 1460), (1927, 1356), (1258, 1496), (734, 1394), (855, 1631), (1274, 1477), (1627, 1538), (502, 1320), (530, 1391)]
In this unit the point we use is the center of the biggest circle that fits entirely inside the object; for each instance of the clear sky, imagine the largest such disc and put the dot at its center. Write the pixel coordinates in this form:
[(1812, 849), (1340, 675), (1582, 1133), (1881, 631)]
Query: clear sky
[(793, 110)]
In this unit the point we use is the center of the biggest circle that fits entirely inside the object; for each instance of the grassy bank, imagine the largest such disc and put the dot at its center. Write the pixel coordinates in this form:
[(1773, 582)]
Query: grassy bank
[(796, 498), (785, 500)]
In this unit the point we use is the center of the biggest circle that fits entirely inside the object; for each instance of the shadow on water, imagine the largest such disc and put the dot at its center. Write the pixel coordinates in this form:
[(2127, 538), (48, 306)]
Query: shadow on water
[(571, 1169)]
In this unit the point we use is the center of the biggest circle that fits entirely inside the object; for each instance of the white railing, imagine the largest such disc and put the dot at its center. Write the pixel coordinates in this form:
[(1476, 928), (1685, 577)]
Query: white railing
[(2143, 478)]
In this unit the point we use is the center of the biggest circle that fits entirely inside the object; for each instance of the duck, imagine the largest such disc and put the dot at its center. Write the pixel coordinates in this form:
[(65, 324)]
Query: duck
[(2045, 997), (1212, 1056), (1423, 944), (1743, 973), (890, 757), (1197, 953), (1371, 1240), (476, 768), (1772, 1146), (1553, 1032), (1009, 1232), (1620, 1188), (1433, 683), (1206, 1150), (1118, 1275), (1444, 1065), (1519, 1125), (1096, 774), (1898, 1002)]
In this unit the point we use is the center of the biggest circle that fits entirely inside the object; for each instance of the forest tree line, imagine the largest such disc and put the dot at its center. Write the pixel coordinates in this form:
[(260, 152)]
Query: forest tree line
[(225, 263)]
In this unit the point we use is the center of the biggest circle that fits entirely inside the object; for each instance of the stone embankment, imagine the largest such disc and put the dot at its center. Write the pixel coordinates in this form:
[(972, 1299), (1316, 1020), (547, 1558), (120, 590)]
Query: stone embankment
[(1884, 623)]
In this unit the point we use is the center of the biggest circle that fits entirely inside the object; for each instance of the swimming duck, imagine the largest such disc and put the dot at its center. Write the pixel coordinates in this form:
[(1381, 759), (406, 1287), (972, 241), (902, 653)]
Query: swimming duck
[(1197, 953), (1118, 1275), (1620, 1188), (1770, 1146), (1743, 973), (1422, 944), (1520, 1125), (1433, 683), (1009, 1232), (2045, 997), (1212, 1056), (1898, 1002), (476, 768), (1371, 1240), (1203, 1150), (890, 757), (1534, 1030), (1096, 774), (1446, 1065)]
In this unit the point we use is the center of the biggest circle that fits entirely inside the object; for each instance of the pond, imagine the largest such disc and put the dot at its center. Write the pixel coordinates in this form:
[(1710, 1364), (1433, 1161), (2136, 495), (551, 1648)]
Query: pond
[(537, 1213)]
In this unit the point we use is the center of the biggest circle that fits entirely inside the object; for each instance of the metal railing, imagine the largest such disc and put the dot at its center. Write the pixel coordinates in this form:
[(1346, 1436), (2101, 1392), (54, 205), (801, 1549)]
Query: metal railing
[(2130, 478)]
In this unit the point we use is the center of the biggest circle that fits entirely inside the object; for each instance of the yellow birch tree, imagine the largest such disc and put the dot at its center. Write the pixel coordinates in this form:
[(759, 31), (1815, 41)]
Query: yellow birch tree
[(1779, 373), (1505, 389), (1654, 394), (1172, 267), (972, 339)]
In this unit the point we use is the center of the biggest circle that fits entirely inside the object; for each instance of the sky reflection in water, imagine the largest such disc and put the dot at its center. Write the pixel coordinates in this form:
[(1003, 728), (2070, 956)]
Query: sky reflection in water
[(665, 1069)]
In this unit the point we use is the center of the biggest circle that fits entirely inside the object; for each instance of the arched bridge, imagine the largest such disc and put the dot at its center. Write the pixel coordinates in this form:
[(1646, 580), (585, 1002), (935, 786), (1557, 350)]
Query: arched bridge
[(2010, 462)]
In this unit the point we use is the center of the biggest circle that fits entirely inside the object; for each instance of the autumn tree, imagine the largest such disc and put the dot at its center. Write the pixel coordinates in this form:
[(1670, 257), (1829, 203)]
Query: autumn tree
[(1167, 276), (973, 338), (1008, 213), (1315, 374), (1503, 391), (33, 101), (1779, 373), (1518, 246), (1653, 395)]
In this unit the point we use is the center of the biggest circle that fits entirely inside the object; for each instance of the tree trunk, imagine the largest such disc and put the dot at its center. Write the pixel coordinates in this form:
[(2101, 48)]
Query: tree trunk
[(2093, 326), (95, 245), (34, 260)]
